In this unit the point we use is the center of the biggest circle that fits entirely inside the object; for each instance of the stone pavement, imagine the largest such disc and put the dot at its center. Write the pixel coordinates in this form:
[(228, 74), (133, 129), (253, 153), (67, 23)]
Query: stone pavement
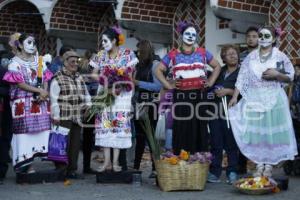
[(87, 189)]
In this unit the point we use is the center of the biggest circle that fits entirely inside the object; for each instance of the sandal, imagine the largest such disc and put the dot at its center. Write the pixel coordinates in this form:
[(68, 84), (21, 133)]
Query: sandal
[(117, 168), (103, 168)]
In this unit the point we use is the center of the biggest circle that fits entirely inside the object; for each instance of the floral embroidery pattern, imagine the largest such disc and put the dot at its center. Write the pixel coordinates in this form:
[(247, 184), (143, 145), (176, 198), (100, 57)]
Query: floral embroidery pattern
[(19, 108), (33, 74), (35, 107)]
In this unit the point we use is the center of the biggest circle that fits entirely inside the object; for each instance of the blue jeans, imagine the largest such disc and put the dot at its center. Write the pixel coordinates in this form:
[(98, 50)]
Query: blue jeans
[(222, 138), (168, 142)]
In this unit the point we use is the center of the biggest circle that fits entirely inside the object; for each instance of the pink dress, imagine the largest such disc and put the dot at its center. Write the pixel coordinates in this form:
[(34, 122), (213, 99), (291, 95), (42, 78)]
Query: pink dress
[(31, 119)]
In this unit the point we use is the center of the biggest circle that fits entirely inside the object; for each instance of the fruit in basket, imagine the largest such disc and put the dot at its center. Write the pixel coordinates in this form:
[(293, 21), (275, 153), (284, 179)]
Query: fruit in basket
[(255, 183)]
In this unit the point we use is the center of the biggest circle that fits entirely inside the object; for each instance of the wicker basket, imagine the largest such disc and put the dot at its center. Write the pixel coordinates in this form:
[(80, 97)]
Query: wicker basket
[(182, 176)]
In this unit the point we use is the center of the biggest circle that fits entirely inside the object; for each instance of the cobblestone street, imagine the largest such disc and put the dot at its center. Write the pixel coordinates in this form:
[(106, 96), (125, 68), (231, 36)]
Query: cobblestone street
[(88, 189)]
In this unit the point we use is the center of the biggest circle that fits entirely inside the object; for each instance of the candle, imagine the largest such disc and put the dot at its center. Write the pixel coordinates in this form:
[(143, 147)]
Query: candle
[(40, 67)]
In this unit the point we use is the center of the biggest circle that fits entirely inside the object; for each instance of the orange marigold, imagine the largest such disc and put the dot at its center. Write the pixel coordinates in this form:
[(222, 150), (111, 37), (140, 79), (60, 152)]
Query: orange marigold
[(121, 39), (184, 155), (172, 160)]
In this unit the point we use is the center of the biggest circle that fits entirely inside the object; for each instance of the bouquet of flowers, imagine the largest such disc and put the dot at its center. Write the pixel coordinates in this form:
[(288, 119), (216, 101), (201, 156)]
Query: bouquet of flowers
[(114, 81)]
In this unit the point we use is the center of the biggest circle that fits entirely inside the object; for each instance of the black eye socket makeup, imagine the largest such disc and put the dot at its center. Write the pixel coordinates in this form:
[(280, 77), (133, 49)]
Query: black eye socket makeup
[(266, 36)]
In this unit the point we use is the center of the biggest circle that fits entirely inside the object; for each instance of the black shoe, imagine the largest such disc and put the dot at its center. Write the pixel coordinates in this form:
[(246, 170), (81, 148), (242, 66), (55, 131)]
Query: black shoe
[(1, 181), (74, 175), (89, 171)]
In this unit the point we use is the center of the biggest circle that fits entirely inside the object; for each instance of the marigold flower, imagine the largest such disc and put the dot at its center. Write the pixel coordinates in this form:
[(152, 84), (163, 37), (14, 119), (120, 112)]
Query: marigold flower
[(121, 39), (184, 155), (172, 160), (120, 72)]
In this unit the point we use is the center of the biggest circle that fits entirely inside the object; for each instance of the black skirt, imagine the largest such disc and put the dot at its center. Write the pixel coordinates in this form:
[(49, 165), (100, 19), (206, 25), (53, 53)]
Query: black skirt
[(190, 132)]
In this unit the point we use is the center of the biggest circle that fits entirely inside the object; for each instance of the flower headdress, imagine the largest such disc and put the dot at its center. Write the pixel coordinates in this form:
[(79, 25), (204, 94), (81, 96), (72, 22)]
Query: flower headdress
[(121, 36), (14, 40), (182, 25), (279, 31)]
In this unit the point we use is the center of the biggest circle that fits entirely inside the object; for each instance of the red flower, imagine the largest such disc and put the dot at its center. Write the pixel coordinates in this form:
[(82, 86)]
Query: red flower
[(115, 123), (19, 109), (35, 107), (33, 74), (129, 70), (127, 52)]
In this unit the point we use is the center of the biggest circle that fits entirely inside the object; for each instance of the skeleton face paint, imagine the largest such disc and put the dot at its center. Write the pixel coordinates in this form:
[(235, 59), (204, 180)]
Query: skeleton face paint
[(106, 43), (29, 45), (265, 38), (189, 36)]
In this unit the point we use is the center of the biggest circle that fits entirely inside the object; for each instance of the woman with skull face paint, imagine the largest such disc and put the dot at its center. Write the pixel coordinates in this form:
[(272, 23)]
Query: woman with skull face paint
[(113, 127), (188, 66), (31, 116), (261, 121)]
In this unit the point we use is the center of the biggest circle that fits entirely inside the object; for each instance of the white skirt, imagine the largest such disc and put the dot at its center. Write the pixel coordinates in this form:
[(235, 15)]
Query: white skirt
[(26, 147), (265, 136), (113, 125)]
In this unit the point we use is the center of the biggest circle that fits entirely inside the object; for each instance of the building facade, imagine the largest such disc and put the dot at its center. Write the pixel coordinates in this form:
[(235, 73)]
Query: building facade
[(79, 23)]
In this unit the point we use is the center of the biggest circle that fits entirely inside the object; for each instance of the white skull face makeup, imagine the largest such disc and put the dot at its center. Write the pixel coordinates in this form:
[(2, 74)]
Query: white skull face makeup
[(265, 38), (106, 43), (189, 36), (29, 45)]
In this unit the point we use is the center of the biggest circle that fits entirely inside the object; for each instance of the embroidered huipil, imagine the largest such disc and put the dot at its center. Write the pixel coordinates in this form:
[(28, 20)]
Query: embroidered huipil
[(113, 127), (31, 119)]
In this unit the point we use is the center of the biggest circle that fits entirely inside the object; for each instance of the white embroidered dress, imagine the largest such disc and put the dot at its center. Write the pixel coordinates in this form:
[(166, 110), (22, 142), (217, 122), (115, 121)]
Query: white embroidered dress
[(113, 126), (261, 121)]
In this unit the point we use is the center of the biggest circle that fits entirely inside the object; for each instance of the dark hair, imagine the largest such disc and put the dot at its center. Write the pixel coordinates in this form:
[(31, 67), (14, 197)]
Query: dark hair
[(252, 28), (89, 53), (273, 32), (183, 25), (21, 39), (226, 48), (64, 49), (189, 26), (111, 34), (146, 52)]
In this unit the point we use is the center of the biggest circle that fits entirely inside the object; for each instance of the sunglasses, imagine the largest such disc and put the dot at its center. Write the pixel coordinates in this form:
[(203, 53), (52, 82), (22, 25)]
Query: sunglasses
[(266, 36)]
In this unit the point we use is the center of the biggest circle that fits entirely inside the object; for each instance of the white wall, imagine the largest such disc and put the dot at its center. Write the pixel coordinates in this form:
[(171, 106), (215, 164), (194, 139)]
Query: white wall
[(131, 43), (215, 37)]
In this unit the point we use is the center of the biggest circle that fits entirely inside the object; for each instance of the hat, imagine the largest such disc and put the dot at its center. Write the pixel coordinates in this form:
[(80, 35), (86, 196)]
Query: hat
[(69, 54)]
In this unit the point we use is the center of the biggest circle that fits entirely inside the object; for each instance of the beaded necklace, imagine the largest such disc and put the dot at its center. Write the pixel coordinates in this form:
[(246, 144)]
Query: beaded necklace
[(186, 52)]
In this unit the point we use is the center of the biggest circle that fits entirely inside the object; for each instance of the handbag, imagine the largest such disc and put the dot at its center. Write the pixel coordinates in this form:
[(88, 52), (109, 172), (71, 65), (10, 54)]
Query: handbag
[(58, 142), (161, 127)]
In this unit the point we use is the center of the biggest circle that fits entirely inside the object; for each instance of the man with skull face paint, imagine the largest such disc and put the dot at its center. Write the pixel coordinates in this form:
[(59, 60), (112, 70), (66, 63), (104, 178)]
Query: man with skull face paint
[(264, 130), (189, 71), (113, 126), (31, 116)]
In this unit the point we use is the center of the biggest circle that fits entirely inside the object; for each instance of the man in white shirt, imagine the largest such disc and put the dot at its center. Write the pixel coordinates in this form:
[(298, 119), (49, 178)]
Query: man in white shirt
[(69, 100)]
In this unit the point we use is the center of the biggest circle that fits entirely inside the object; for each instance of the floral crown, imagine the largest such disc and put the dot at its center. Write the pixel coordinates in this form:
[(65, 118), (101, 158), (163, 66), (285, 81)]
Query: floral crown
[(14, 40), (277, 30), (182, 25), (121, 36)]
